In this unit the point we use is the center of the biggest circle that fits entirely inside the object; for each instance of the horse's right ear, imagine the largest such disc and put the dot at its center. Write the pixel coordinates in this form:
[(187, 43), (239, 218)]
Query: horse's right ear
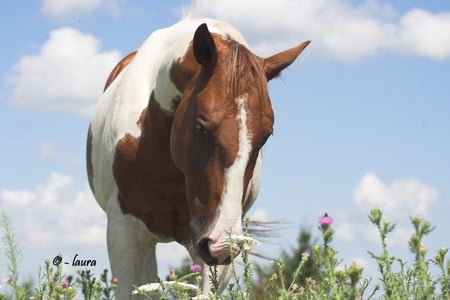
[(276, 63), (205, 51)]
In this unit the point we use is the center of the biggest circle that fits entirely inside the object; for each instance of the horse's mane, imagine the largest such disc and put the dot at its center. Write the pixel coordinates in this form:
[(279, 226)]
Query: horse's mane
[(244, 69)]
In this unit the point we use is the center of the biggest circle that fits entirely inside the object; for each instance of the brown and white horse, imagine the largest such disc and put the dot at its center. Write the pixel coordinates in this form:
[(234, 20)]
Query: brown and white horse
[(174, 146)]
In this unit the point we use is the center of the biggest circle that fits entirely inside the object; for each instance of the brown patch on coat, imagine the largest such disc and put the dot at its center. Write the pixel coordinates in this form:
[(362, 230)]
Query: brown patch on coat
[(118, 68), (151, 188), (182, 71)]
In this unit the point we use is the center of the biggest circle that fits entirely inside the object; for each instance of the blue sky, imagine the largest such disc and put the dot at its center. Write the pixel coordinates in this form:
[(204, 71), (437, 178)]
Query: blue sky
[(362, 118)]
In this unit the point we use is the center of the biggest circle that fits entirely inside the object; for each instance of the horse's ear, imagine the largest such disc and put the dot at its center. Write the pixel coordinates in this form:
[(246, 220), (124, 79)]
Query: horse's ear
[(205, 51), (276, 63)]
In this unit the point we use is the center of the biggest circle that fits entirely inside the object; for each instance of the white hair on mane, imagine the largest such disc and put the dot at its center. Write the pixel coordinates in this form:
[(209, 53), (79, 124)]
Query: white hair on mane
[(223, 28)]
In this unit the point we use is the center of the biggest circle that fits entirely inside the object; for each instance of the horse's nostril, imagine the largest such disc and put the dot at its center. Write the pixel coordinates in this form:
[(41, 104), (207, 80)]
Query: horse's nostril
[(203, 250), (203, 244)]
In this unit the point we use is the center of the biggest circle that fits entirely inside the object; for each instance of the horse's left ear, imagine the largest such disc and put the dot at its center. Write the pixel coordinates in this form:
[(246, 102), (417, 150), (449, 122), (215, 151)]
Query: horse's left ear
[(274, 64), (205, 51)]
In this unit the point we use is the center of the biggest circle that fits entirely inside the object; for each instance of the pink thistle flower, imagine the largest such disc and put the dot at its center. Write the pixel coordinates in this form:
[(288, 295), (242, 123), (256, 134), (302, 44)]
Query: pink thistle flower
[(325, 221), (196, 268), (64, 284), (115, 281), (306, 254)]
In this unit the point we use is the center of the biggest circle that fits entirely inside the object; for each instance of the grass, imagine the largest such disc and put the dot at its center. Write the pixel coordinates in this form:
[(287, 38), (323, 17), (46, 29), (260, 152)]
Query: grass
[(397, 279)]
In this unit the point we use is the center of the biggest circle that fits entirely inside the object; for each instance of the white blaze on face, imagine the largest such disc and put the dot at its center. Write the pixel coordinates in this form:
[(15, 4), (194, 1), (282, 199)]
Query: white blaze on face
[(229, 212)]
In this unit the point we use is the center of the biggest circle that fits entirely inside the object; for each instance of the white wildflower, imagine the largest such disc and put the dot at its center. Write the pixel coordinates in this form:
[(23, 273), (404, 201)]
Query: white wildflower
[(179, 285), (147, 288), (240, 239), (164, 287)]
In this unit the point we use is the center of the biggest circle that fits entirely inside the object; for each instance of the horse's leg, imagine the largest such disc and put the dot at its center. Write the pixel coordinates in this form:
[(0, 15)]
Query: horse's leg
[(131, 250)]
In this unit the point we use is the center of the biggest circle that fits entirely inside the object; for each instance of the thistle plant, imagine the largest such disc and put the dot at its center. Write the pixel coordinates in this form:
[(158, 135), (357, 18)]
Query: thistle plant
[(328, 256), (245, 244), (13, 253), (91, 288), (422, 283), (109, 286), (444, 269), (214, 281), (384, 260), (51, 284), (333, 284), (415, 279)]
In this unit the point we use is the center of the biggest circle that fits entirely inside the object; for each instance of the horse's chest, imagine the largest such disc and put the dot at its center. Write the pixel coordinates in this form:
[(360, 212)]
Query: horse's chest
[(151, 188)]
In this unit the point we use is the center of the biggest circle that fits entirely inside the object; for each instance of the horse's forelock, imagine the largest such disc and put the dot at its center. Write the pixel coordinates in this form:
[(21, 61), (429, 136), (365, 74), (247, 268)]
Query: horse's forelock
[(245, 70)]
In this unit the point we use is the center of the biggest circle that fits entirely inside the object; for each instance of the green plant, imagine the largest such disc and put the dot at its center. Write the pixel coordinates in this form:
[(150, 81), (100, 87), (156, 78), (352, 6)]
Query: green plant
[(51, 284), (409, 280), (109, 286), (444, 269), (13, 253), (399, 278), (328, 282)]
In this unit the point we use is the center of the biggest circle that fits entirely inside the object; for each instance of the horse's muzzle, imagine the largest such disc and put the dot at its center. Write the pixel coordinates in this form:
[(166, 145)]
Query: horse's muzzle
[(214, 252)]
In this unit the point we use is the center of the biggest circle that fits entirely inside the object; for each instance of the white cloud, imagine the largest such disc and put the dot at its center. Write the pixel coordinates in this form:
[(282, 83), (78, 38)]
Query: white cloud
[(63, 10), (400, 199), (55, 213), (47, 150), (19, 198), (426, 34), (338, 29), (67, 75), (346, 231)]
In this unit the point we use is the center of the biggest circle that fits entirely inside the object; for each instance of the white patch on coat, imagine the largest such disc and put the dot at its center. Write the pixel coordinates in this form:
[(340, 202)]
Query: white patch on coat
[(229, 212)]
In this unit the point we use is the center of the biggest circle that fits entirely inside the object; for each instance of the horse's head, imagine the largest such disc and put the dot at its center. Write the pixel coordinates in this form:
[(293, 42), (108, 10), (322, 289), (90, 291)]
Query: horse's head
[(223, 119)]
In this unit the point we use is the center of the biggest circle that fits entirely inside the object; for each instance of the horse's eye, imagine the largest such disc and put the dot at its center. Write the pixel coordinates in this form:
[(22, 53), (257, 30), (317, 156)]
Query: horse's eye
[(200, 127)]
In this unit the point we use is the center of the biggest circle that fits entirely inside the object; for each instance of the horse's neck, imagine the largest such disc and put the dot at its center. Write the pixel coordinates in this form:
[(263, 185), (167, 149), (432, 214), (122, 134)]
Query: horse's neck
[(152, 65), (165, 92), (147, 77)]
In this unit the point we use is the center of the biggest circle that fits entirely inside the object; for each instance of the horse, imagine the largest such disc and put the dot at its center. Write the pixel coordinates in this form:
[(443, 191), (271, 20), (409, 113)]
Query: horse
[(174, 145)]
